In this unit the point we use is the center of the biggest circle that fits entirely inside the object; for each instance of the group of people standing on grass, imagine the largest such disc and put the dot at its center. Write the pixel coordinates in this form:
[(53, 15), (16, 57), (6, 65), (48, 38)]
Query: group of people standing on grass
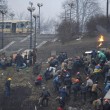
[(5, 61), (18, 59), (80, 77)]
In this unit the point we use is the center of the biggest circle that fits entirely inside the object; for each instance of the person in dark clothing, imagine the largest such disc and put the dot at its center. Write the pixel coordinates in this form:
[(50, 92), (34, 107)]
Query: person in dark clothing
[(61, 102), (19, 61), (75, 88), (44, 97), (105, 70), (57, 82), (83, 92), (7, 87), (106, 106), (93, 54), (25, 60), (63, 93), (34, 55), (30, 57), (48, 74)]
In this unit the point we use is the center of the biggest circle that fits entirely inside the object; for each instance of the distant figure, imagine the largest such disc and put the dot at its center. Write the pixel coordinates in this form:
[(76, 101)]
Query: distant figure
[(7, 87), (44, 97), (34, 55), (38, 80)]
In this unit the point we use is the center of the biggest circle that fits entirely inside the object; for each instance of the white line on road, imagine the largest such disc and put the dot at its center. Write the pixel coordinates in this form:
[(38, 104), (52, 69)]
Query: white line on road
[(1, 50), (41, 44), (9, 45), (26, 38), (19, 50)]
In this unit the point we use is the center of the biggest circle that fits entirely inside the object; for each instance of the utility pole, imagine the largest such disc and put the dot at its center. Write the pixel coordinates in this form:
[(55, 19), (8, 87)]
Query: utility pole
[(35, 17), (3, 12), (39, 5), (107, 15), (31, 9)]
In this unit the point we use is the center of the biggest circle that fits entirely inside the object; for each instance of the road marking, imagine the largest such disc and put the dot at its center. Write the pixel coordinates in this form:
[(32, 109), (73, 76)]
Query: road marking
[(26, 38), (41, 44), (7, 46), (1, 50), (19, 50)]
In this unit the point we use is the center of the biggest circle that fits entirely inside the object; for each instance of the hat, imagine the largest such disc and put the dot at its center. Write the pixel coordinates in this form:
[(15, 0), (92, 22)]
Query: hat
[(9, 79)]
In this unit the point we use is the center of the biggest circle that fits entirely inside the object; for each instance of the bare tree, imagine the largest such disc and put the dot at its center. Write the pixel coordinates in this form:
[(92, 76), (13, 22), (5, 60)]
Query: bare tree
[(82, 11), (3, 7)]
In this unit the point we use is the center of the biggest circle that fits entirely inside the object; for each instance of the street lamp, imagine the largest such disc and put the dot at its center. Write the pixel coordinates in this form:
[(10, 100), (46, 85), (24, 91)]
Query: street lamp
[(35, 17), (3, 12), (31, 9), (39, 5), (107, 15)]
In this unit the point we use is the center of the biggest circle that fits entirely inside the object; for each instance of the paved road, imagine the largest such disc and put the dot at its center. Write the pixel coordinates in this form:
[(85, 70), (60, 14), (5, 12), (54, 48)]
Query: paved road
[(21, 43)]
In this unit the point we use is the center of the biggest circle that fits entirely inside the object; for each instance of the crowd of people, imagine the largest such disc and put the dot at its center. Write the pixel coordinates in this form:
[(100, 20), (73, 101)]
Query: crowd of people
[(85, 78)]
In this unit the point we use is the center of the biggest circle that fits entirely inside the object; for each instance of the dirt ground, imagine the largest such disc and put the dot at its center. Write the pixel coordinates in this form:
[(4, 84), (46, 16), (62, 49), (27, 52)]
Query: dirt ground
[(24, 94)]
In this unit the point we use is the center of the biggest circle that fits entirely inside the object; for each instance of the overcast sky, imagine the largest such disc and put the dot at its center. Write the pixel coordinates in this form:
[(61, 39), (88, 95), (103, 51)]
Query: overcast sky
[(50, 9)]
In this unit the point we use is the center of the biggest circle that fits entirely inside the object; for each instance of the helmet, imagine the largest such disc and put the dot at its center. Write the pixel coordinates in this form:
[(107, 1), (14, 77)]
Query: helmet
[(9, 79)]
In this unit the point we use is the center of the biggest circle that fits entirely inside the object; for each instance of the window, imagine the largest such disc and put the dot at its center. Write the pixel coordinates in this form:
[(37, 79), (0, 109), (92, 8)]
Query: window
[(8, 25)]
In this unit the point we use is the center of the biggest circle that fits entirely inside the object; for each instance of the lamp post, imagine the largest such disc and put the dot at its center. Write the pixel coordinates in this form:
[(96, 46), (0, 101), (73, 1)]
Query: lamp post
[(35, 17), (39, 5), (31, 9), (107, 14), (3, 12)]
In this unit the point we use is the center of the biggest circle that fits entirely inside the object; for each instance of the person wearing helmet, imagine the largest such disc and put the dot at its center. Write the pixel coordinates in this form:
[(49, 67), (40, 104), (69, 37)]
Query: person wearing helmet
[(7, 86)]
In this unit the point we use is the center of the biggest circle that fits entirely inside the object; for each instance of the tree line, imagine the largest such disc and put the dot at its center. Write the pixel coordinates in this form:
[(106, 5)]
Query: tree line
[(80, 18)]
